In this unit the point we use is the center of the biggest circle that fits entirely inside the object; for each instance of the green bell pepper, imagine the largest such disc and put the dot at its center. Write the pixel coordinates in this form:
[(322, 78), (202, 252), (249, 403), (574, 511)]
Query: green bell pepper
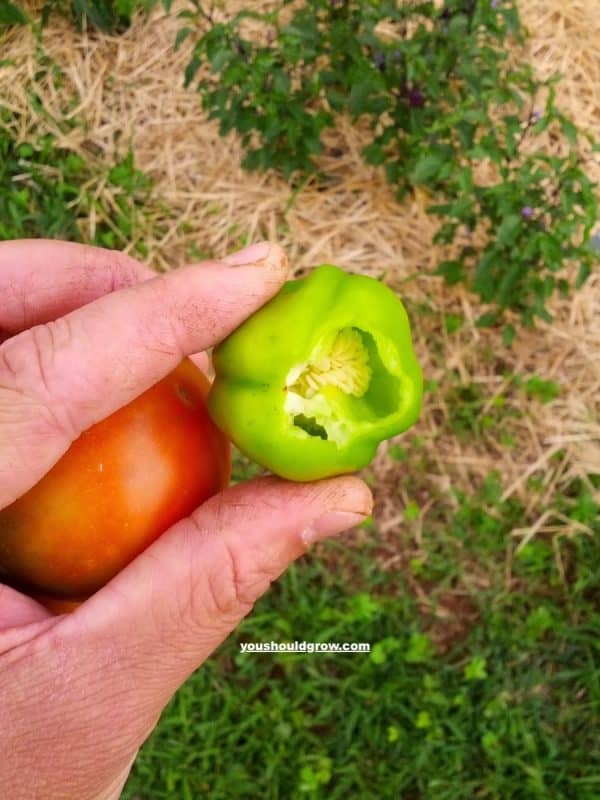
[(311, 383)]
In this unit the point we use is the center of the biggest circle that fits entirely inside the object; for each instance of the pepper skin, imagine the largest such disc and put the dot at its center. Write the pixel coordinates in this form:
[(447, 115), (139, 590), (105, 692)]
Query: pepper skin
[(311, 383)]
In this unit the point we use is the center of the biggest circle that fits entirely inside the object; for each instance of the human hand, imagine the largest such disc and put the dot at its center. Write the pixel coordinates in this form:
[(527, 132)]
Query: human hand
[(83, 331)]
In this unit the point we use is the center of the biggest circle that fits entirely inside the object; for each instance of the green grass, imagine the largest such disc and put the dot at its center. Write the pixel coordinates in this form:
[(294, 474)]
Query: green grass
[(507, 709), (49, 191)]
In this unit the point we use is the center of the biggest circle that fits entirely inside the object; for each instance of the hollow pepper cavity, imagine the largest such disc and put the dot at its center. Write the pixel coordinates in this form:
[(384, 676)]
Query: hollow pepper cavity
[(311, 383)]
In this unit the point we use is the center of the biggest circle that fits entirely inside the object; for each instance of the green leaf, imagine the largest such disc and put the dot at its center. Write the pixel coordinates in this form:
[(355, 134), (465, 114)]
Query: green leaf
[(423, 720), (98, 13), (393, 733), (336, 99), (543, 390), (476, 669), (420, 649), (490, 742), (452, 271), (397, 452), (427, 167), (487, 320), (551, 252), (542, 124), (446, 233), (380, 650), (359, 98), (508, 335), (412, 511), (584, 272), (569, 130), (459, 25), (182, 35), (539, 621), (374, 154), (191, 69), (220, 59), (12, 14), (453, 322), (507, 232), (281, 82)]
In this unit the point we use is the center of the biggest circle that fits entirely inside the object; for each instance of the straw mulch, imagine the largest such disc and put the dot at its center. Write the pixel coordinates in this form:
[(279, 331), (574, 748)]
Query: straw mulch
[(129, 89)]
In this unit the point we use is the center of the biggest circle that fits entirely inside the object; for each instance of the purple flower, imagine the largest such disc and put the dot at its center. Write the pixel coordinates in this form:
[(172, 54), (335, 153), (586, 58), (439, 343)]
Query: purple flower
[(416, 98), (536, 115), (494, 3), (527, 212)]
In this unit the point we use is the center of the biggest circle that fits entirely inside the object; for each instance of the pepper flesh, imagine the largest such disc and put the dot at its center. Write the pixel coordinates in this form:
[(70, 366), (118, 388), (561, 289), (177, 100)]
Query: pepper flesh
[(311, 383)]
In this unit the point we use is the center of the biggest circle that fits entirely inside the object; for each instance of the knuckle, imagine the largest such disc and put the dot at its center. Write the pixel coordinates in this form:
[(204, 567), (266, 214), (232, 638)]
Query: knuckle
[(164, 332), (228, 589), (224, 584), (28, 366), (176, 335), (117, 269), (247, 578)]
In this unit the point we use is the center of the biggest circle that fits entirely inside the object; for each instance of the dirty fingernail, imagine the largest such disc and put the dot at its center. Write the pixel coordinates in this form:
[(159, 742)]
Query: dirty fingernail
[(269, 254), (330, 524)]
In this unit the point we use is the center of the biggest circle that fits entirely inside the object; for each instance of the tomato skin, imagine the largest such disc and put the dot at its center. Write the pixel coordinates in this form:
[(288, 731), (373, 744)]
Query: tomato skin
[(120, 485)]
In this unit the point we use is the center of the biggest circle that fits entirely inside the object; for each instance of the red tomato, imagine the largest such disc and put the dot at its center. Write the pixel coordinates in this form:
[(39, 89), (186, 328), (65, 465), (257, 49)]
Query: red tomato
[(120, 485)]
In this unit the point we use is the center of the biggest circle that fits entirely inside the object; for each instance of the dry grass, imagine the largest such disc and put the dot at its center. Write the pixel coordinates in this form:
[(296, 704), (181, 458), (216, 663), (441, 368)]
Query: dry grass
[(129, 89)]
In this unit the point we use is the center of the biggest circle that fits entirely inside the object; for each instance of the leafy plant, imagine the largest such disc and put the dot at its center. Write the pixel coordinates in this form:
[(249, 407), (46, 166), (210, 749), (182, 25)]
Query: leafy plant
[(449, 111), (472, 414), (541, 389), (108, 16), (47, 190), (11, 14)]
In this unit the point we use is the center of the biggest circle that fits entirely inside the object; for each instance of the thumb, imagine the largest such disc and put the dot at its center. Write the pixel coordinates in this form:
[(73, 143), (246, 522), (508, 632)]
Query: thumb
[(182, 597)]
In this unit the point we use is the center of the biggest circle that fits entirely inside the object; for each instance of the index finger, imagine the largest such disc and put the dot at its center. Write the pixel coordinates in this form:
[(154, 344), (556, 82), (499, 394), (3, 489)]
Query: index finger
[(60, 378), (42, 279)]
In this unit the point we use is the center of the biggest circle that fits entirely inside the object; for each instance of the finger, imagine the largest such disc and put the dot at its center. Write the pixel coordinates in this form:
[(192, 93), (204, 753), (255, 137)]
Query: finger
[(17, 609), (58, 379), (115, 662), (43, 279), (181, 598)]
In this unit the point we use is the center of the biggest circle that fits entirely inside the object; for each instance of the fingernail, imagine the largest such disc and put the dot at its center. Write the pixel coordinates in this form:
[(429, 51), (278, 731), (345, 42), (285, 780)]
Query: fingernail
[(330, 524), (261, 251)]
